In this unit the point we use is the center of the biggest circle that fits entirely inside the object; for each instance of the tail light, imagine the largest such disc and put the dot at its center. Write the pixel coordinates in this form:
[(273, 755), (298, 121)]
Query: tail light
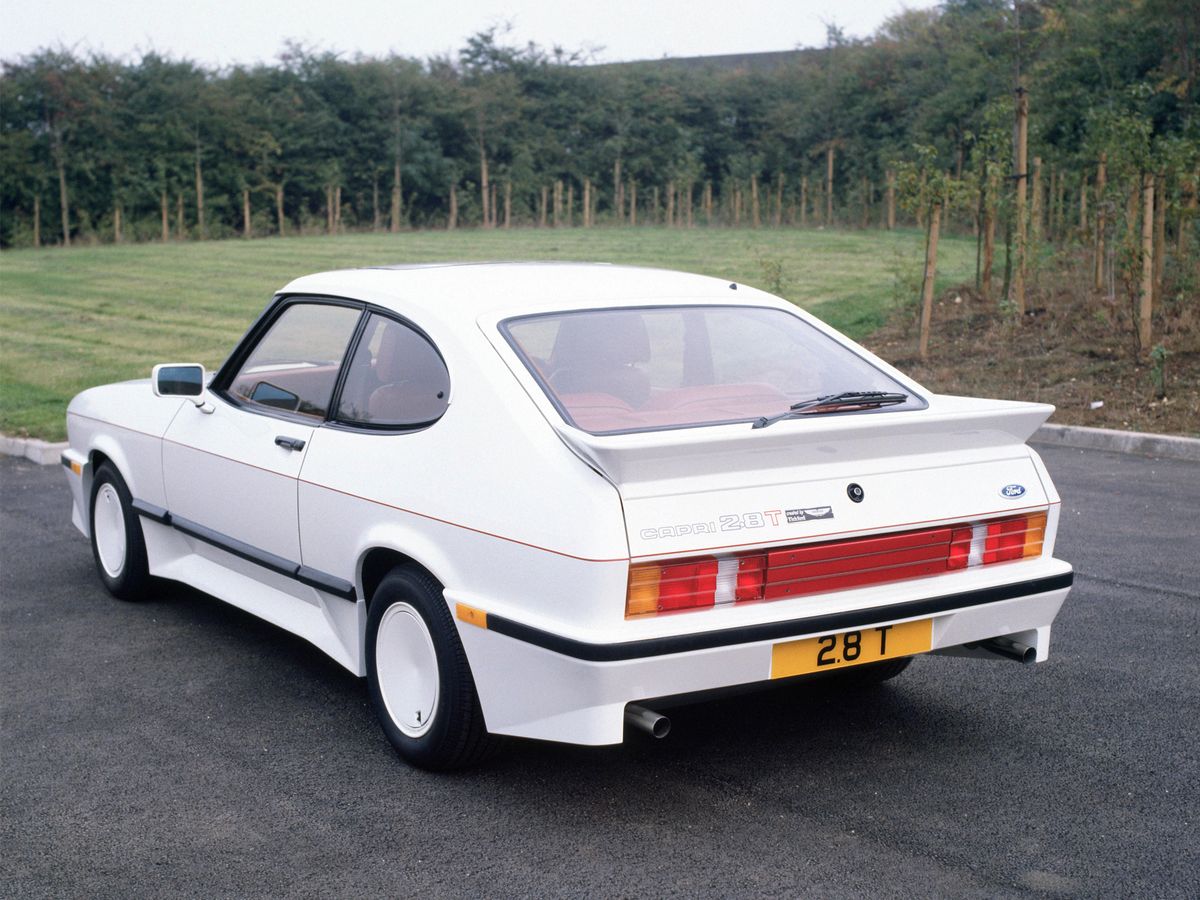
[(683, 584)]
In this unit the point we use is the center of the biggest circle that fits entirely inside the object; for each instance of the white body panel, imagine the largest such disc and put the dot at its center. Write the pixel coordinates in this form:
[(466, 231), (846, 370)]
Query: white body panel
[(529, 520), (223, 470)]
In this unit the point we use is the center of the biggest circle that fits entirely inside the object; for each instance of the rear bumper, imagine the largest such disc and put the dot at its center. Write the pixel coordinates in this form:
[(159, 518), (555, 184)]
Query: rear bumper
[(537, 684)]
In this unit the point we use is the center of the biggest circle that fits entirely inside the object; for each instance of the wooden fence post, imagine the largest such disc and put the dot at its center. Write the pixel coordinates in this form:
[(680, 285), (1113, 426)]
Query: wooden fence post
[(1147, 298), (587, 203), (829, 185), (891, 199), (1021, 175), (280, 219), (989, 235), (1101, 216), (935, 218)]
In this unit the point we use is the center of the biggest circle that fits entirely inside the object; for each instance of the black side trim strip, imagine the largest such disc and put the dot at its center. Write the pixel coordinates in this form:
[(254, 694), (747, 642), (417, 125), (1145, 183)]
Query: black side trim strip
[(150, 511), (772, 630), (237, 548), (322, 581)]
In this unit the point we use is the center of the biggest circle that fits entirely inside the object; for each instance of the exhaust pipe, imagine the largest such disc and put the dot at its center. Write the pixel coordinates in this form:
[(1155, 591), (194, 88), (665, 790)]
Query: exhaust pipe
[(1010, 649), (654, 724)]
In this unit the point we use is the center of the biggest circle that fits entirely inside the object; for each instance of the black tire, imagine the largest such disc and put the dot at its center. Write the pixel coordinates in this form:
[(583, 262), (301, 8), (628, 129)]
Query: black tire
[(126, 577), (455, 734), (873, 673)]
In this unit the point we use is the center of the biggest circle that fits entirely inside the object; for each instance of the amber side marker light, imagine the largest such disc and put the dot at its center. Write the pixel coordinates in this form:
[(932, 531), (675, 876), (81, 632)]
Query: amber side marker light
[(701, 582), (470, 615)]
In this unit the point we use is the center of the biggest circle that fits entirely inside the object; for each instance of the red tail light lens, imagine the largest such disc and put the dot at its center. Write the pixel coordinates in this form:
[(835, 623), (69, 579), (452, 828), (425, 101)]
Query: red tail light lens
[(688, 585), (960, 548), (826, 566), (1005, 540), (751, 578)]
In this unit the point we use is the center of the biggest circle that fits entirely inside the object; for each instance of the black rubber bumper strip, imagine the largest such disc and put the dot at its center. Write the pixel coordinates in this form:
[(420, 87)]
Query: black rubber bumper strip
[(150, 511), (708, 640), (322, 581)]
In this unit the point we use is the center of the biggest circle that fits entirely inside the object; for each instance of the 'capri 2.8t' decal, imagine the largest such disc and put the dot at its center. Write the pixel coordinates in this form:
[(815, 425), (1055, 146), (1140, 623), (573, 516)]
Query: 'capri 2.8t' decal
[(739, 522)]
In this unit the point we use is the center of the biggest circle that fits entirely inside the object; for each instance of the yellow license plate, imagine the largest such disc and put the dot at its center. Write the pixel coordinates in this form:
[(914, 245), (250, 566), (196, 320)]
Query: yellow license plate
[(851, 648)]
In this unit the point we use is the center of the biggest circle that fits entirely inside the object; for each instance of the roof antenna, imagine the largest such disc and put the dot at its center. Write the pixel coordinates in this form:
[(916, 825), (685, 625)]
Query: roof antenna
[(733, 286)]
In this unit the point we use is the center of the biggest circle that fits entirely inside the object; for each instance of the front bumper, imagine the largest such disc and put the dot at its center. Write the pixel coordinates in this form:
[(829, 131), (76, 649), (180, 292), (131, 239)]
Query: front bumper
[(533, 683)]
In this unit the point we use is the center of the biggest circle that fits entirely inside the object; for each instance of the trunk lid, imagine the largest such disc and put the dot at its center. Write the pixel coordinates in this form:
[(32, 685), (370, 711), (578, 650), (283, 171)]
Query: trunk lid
[(710, 490)]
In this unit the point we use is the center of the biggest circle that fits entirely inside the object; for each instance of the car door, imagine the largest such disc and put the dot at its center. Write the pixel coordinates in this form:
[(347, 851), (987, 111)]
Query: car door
[(230, 468)]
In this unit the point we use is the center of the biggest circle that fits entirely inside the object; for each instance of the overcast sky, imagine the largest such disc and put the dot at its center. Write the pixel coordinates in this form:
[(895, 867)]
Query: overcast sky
[(222, 32)]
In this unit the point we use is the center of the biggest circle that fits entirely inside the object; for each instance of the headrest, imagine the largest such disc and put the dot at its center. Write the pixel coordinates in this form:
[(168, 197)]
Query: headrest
[(601, 340), (393, 361)]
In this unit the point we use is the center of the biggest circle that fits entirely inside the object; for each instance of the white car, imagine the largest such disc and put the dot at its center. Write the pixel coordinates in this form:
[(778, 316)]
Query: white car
[(548, 500)]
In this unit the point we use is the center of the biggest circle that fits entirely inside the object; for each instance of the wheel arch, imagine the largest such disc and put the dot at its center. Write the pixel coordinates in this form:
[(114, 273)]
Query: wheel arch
[(96, 458), (376, 562)]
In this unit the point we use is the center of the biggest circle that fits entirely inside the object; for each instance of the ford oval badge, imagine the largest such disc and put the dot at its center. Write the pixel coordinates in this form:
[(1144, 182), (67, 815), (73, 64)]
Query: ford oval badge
[(1012, 491)]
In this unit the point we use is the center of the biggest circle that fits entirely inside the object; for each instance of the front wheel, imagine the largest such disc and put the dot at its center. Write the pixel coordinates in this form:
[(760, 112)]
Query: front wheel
[(117, 542), (418, 677)]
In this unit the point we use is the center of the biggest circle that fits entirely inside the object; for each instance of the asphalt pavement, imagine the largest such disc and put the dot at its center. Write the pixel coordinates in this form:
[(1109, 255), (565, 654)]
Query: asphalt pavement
[(180, 747)]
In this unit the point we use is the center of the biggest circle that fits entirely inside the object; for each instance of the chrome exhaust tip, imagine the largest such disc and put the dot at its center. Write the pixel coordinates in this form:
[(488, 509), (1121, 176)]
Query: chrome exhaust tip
[(1010, 649), (654, 724)]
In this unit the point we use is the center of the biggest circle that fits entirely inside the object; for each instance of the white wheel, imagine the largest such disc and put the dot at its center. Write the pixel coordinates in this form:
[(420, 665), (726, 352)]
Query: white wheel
[(118, 545), (407, 668), (418, 678), (108, 520)]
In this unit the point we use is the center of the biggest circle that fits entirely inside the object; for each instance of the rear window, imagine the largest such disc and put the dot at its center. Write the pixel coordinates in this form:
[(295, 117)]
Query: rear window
[(642, 369)]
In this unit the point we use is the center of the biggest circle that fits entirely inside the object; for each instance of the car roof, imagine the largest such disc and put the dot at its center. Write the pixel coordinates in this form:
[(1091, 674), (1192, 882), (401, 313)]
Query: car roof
[(469, 290)]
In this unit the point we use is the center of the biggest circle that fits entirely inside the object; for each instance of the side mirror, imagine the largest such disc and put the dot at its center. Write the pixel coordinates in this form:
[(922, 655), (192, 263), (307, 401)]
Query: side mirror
[(180, 380)]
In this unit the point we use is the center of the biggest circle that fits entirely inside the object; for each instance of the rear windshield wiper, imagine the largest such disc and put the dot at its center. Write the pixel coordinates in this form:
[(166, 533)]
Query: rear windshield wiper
[(831, 403)]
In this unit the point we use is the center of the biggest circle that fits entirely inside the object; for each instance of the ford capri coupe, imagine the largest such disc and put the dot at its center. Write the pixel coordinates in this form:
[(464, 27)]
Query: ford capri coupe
[(550, 500)]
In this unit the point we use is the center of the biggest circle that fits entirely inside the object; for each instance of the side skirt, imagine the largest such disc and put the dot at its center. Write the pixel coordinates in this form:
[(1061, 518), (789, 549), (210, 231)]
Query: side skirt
[(318, 607)]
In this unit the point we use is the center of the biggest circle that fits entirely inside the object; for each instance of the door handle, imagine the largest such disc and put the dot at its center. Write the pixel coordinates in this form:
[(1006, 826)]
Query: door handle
[(290, 443)]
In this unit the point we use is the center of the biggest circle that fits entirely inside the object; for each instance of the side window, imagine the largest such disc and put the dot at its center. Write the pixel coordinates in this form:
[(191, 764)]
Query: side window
[(396, 378), (294, 366)]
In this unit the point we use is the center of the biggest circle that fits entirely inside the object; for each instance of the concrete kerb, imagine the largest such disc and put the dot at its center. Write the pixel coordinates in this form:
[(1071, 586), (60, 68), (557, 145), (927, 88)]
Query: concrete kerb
[(1168, 446), (41, 452)]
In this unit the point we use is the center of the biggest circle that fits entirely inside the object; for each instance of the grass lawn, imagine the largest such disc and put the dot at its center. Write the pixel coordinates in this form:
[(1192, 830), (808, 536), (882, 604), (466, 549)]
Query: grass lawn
[(72, 318)]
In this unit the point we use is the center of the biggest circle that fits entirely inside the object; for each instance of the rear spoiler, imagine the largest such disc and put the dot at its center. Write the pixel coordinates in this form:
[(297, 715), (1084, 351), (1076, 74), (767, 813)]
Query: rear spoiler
[(948, 424)]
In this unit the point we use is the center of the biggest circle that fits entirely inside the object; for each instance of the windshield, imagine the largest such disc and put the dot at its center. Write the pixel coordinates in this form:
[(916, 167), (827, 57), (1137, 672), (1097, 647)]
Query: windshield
[(641, 369)]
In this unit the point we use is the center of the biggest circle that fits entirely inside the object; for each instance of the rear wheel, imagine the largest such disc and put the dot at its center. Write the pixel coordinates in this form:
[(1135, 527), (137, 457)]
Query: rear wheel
[(117, 542), (418, 677)]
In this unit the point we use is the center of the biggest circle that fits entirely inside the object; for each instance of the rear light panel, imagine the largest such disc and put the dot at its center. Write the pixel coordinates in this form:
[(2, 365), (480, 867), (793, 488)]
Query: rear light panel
[(697, 583)]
